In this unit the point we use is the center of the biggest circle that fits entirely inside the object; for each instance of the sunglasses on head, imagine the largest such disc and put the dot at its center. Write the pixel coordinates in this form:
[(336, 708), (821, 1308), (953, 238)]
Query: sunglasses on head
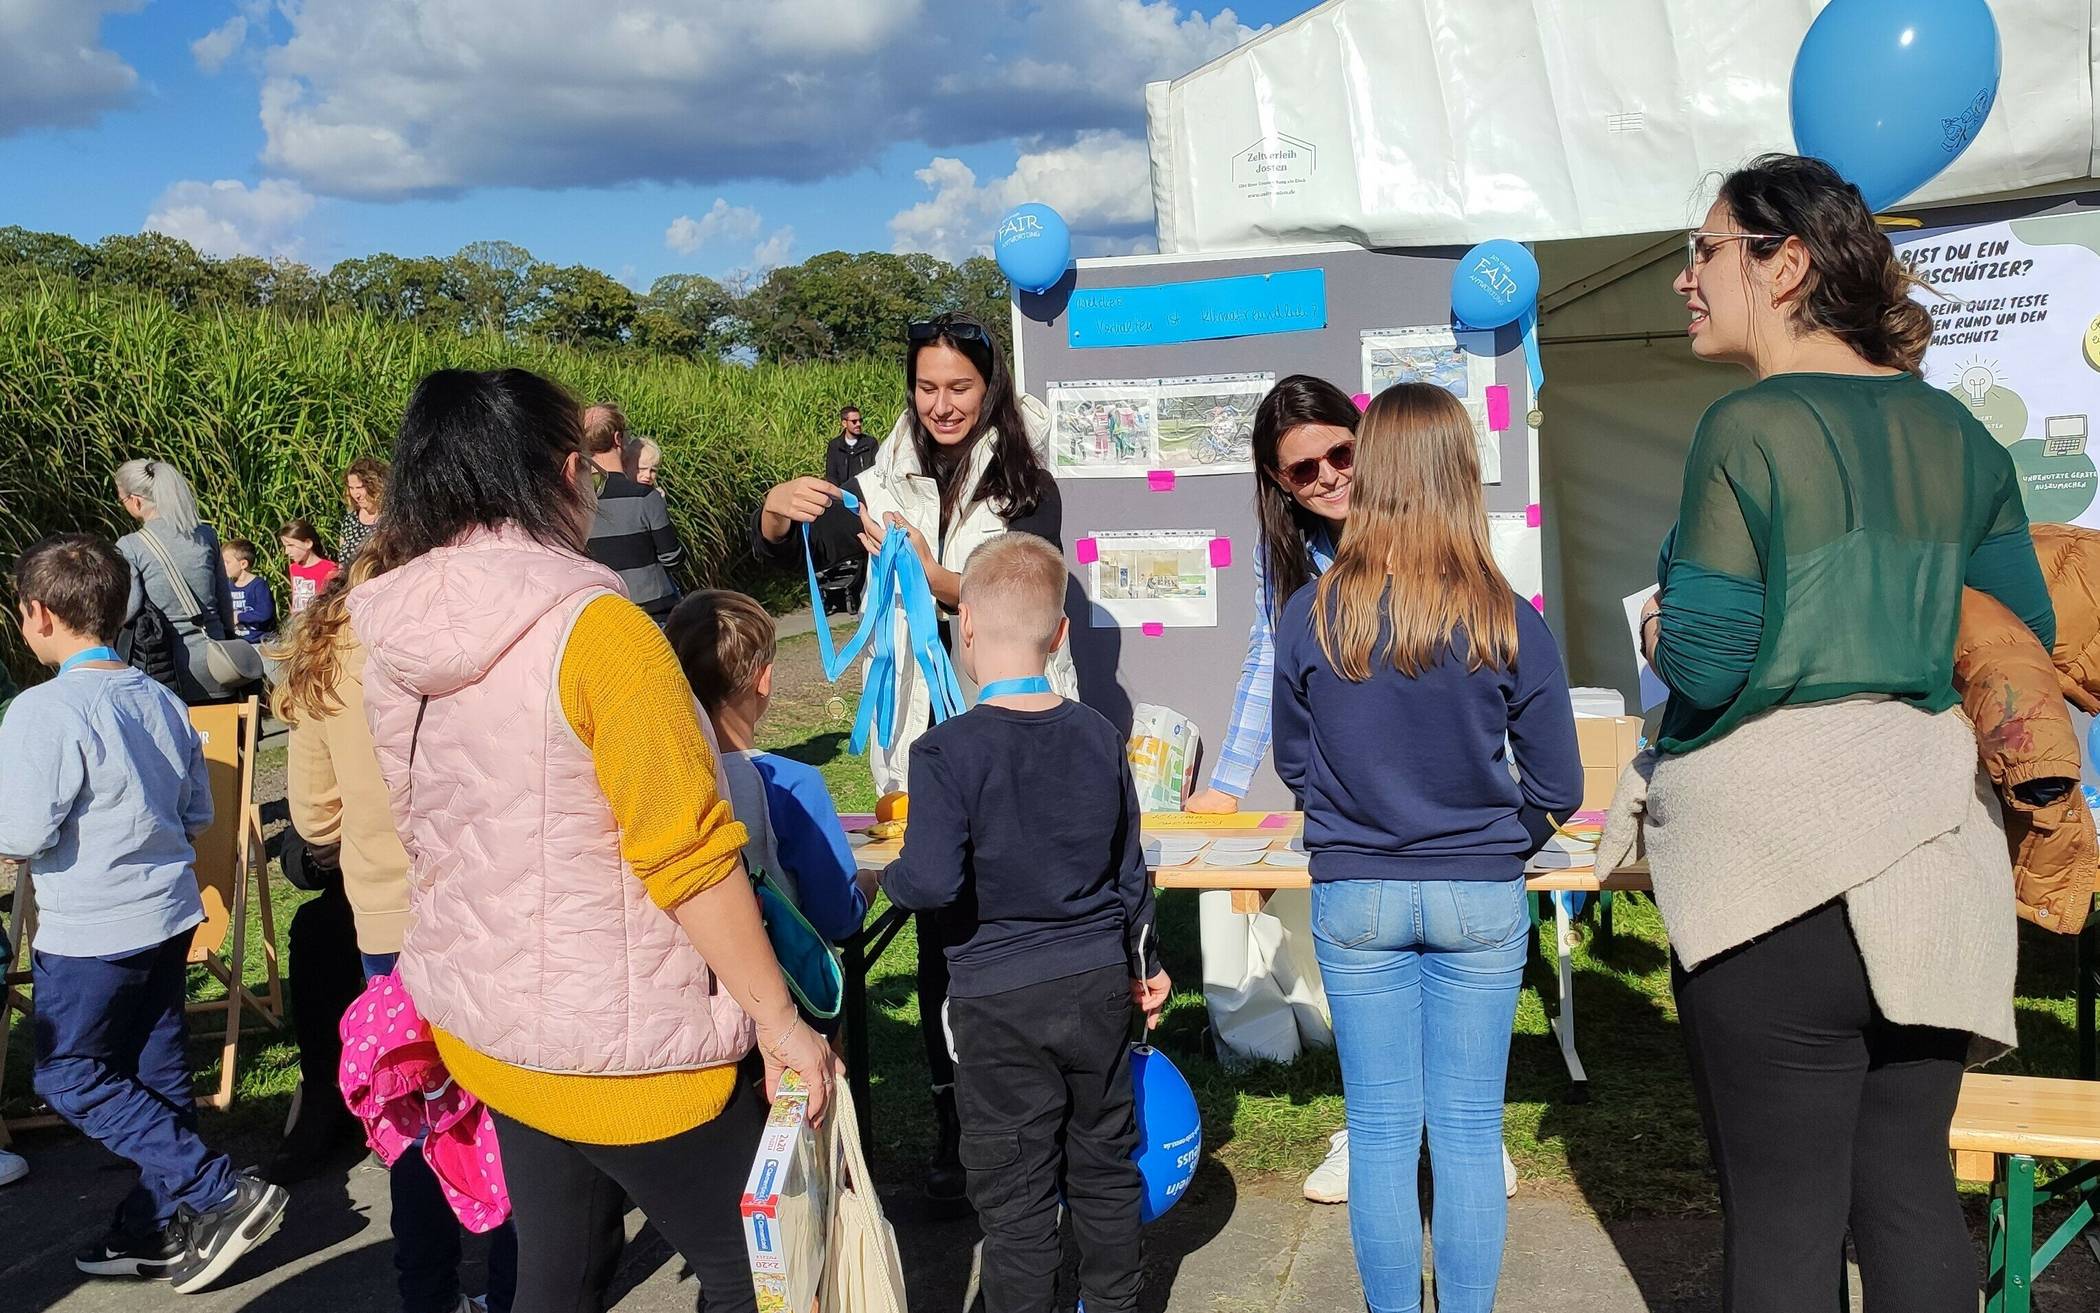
[(1304, 473), (929, 329)]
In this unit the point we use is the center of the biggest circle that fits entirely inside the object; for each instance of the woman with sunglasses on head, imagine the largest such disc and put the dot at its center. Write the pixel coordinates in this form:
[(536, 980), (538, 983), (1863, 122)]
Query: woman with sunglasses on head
[(959, 468), (1836, 892)]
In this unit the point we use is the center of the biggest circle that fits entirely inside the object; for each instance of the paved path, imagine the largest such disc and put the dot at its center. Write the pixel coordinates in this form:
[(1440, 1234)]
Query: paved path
[(1230, 1248)]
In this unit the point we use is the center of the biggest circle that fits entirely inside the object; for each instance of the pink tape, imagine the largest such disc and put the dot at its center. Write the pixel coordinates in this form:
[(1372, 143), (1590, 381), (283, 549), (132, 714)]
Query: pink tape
[(1160, 480), (1276, 821), (1538, 603), (1534, 515), (1498, 408), (1086, 551), (1220, 552), (1153, 628), (1362, 400)]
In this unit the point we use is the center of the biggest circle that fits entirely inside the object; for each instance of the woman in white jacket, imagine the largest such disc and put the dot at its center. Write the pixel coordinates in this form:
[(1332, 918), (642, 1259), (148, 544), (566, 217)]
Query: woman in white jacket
[(961, 465)]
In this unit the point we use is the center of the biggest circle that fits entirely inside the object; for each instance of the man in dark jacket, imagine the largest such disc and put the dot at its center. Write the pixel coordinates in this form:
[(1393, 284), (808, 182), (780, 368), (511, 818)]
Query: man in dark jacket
[(632, 534), (850, 453)]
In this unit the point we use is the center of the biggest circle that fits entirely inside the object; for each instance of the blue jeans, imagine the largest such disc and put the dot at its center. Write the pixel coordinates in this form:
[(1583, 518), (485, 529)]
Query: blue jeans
[(426, 1231), (110, 1040), (1422, 980)]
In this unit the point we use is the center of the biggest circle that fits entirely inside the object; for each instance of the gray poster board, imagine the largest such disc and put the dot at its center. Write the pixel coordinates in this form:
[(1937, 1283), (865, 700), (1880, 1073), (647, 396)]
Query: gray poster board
[(1195, 670)]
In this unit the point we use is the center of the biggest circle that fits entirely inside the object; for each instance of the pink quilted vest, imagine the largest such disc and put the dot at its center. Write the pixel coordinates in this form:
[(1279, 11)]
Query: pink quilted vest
[(530, 939)]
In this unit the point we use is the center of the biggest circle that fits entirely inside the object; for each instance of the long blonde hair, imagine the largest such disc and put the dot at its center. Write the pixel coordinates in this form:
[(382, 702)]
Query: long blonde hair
[(311, 649), (1417, 526)]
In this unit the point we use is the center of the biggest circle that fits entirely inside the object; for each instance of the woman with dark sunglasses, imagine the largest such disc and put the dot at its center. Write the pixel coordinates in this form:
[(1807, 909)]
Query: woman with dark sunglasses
[(959, 467)]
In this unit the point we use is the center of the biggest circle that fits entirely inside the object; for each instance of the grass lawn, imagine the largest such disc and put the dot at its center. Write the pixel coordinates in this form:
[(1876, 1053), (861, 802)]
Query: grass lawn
[(1633, 1150)]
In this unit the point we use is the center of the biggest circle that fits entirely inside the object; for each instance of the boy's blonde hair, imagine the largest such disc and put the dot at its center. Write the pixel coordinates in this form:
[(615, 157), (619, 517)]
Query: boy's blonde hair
[(1014, 586), (723, 640)]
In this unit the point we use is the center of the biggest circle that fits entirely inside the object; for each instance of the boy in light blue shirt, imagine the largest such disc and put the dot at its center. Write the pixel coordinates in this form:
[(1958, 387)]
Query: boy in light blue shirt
[(103, 786)]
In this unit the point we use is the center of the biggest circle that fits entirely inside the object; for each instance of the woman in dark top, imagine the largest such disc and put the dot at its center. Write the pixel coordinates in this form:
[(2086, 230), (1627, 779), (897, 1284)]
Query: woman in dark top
[(364, 492), (1812, 821), (959, 468)]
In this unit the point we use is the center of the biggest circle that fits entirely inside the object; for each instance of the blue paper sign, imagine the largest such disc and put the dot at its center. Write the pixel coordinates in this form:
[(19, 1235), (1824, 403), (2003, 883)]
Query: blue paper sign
[(1290, 302)]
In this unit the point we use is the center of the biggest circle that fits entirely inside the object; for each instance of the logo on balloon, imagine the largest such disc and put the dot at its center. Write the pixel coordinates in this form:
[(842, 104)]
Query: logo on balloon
[(1962, 129)]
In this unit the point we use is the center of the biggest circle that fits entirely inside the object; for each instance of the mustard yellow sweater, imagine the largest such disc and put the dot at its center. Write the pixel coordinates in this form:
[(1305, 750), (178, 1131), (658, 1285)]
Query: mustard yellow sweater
[(629, 702)]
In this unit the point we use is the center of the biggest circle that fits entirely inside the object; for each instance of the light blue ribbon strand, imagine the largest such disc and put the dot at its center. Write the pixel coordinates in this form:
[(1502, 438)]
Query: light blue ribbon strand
[(1530, 323), (1013, 688), (91, 654), (896, 579)]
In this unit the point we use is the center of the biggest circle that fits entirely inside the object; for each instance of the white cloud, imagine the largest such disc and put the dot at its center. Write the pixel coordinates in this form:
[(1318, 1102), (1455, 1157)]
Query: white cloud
[(734, 222), (1101, 184), (214, 48), (228, 217), (54, 70), (773, 251), (384, 98)]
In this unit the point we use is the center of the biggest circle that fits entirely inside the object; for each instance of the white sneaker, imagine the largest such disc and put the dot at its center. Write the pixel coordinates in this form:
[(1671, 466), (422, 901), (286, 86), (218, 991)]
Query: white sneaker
[(13, 1167), (1509, 1175), (1329, 1182)]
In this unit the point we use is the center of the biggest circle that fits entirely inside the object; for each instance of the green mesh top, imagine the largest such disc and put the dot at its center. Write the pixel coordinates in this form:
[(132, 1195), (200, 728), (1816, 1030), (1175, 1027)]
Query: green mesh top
[(1828, 525)]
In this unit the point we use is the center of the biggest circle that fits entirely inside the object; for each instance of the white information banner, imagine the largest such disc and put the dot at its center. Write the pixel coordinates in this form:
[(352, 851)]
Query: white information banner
[(2021, 346)]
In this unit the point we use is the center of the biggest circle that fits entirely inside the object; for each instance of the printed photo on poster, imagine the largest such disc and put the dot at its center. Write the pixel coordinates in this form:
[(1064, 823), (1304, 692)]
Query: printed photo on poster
[(1462, 364), (1109, 428), (1161, 577), (1206, 425)]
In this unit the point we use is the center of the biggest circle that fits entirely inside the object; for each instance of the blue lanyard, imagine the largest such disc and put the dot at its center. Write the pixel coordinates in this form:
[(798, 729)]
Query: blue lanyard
[(92, 654), (1007, 688), (896, 585)]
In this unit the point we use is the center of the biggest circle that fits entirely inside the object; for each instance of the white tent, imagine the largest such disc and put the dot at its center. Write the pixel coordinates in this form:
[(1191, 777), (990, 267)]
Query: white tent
[(1590, 127)]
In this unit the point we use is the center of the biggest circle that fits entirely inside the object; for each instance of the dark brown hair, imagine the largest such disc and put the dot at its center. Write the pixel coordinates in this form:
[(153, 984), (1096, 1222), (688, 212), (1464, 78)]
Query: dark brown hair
[(81, 579), (242, 548), (1297, 400), (303, 530), (723, 640), (1856, 288), (1015, 480)]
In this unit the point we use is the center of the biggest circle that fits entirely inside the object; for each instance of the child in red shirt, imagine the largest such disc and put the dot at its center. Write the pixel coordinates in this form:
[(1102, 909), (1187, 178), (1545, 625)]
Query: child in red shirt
[(308, 570)]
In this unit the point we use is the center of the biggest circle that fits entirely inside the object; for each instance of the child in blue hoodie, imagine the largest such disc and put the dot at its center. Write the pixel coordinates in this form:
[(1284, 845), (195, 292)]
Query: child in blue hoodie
[(1407, 677)]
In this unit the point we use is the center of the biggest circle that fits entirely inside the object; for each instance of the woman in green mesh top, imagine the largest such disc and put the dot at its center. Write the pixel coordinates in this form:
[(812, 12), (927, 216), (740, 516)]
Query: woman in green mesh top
[(1837, 895)]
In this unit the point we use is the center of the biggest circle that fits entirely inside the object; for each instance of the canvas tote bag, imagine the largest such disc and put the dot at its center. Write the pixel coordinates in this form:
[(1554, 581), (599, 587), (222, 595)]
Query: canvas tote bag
[(862, 1271)]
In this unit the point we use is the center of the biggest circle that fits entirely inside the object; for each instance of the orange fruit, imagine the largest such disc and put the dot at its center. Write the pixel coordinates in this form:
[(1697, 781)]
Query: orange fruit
[(892, 807)]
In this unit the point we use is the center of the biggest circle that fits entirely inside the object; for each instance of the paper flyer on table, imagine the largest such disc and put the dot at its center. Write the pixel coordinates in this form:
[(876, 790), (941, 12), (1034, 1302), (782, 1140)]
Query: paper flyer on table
[(1462, 364), (1122, 428), (1653, 691), (1161, 577)]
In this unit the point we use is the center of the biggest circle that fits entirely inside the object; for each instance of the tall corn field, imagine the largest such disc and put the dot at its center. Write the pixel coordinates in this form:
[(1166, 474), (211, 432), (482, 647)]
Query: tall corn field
[(263, 414)]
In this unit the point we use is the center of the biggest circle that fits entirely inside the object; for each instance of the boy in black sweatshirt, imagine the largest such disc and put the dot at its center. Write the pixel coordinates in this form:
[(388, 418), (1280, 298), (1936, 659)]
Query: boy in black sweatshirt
[(1025, 835)]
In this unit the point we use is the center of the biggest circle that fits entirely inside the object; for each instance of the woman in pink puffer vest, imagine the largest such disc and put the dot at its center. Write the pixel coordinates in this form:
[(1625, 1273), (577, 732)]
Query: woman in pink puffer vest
[(583, 940)]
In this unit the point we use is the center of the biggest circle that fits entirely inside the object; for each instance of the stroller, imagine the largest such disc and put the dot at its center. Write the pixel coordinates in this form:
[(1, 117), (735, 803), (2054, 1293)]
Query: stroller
[(839, 585)]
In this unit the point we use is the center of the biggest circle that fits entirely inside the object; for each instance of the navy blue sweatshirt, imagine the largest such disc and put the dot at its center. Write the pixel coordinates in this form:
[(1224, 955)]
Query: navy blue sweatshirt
[(1408, 778), (1025, 836)]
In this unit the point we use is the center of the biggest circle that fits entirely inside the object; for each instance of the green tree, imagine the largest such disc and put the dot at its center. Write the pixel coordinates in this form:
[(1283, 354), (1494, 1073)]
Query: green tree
[(409, 291), (688, 315), (581, 306), (837, 306), (494, 285), (46, 253), (159, 265)]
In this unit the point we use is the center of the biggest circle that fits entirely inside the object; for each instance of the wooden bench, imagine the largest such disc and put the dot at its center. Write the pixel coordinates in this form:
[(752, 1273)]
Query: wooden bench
[(2002, 1127)]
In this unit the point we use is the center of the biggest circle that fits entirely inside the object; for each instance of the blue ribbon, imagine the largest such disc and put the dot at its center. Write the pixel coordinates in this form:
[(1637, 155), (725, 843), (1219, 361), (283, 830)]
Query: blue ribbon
[(896, 578), (1530, 324), (91, 654), (1008, 688)]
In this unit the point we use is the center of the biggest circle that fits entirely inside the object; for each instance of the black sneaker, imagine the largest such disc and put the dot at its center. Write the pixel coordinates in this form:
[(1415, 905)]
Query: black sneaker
[(119, 1254), (217, 1239)]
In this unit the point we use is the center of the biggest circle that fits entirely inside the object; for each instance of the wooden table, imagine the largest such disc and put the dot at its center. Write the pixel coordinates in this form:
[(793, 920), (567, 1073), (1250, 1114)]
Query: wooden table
[(1250, 886)]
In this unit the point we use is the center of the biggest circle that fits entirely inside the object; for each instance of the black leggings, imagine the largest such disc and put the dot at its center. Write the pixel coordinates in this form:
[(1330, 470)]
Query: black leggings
[(568, 1200), (1822, 1114), (932, 981)]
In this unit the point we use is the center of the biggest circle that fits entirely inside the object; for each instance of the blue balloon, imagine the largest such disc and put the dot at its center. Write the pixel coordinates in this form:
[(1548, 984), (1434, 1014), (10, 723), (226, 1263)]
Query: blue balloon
[(1033, 247), (1170, 1133), (1890, 92), (1495, 283)]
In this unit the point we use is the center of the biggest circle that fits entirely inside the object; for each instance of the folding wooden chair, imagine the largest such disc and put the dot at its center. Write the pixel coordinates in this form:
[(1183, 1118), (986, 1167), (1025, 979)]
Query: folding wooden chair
[(232, 869)]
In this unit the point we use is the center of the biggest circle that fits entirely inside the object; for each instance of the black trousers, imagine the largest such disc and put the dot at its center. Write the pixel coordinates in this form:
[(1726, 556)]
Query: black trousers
[(1043, 1088), (1822, 1116), (568, 1200), (324, 978)]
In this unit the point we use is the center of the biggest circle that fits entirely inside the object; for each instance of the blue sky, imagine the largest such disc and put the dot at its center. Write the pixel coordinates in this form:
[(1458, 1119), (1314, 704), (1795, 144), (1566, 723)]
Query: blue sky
[(643, 137)]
